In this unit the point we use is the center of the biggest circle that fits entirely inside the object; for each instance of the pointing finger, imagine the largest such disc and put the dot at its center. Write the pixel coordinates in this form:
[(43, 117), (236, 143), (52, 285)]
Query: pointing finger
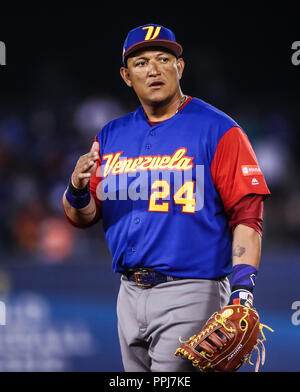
[(95, 147)]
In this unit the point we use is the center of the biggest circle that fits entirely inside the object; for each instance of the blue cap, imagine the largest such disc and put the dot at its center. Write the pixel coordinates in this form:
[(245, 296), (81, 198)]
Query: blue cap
[(150, 35)]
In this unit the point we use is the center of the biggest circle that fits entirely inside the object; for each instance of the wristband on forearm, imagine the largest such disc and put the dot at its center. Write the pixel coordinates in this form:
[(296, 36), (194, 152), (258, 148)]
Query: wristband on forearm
[(242, 285), (78, 198)]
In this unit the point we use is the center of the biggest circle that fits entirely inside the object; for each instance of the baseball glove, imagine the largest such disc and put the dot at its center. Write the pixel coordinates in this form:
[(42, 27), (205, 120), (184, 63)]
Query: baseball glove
[(226, 341)]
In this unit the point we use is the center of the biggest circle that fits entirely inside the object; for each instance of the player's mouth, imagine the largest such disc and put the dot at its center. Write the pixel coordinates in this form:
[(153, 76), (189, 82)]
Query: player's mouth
[(156, 85)]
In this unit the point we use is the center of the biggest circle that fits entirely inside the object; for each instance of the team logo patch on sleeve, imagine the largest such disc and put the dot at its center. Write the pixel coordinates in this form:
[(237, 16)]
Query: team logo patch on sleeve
[(250, 170)]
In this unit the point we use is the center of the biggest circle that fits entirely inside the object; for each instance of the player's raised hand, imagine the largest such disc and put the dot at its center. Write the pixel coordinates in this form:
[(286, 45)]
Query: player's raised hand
[(85, 167)]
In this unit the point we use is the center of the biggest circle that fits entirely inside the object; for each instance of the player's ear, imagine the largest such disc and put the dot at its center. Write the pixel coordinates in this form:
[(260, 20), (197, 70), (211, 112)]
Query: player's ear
[(180, 66), (124, 72)]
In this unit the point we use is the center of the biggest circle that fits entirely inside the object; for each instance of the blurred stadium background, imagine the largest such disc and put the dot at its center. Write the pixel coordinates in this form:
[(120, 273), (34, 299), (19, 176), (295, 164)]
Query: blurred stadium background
[(61, 84)]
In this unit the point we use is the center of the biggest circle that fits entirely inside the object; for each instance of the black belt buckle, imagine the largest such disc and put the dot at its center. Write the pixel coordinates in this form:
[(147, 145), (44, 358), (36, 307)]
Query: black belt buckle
[(137, 277)]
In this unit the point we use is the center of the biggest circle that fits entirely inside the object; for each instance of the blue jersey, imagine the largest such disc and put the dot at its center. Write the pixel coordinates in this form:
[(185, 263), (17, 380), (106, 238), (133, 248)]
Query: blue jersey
[(165, 190)]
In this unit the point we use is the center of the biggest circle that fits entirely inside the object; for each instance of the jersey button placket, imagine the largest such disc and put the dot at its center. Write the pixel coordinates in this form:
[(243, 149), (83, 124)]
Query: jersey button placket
[(136, 221)]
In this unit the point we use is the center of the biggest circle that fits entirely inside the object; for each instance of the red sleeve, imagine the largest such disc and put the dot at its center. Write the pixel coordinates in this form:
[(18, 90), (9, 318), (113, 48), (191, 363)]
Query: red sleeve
[(96, 179), (249, 212), (235, 170)]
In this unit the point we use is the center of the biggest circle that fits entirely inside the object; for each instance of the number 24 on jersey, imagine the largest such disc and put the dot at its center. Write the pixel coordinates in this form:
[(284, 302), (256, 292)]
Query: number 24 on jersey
[(183, 196)]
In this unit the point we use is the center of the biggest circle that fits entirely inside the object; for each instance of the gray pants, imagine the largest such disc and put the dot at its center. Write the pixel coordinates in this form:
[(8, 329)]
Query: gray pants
[(151, 320)]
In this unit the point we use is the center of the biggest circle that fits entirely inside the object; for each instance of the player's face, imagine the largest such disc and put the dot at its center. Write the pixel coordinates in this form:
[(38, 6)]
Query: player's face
[(154, 75)]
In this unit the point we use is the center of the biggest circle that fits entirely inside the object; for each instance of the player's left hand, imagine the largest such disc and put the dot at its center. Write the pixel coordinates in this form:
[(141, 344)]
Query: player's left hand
[(226, 341), (241, 297)]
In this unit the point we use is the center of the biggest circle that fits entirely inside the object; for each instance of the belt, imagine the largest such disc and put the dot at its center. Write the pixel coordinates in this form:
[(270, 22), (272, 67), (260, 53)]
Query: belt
[(146, 277)]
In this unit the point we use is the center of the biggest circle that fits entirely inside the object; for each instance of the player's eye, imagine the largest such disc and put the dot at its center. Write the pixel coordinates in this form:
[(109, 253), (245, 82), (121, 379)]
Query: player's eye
[(164, 59), (140, 63)]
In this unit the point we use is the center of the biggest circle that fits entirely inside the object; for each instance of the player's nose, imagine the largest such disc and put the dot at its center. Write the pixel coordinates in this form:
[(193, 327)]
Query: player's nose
[(153, 68)]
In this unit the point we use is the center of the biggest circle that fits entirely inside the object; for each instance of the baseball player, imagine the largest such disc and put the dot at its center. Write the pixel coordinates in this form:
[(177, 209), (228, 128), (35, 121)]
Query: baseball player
[(180, 194)]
